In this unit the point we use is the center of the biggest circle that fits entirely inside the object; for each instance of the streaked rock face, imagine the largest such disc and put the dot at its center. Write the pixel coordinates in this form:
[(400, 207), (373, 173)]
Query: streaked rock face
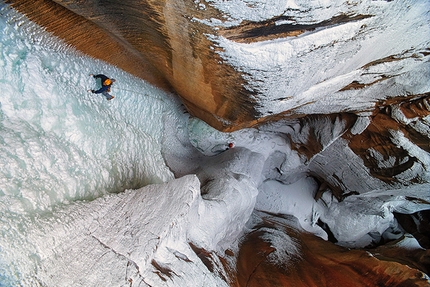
[(159, 41), (305, 260), (242, 64)]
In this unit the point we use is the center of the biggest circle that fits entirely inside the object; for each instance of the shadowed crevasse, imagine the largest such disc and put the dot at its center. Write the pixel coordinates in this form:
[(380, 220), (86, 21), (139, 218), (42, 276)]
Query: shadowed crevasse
[(249, 32)]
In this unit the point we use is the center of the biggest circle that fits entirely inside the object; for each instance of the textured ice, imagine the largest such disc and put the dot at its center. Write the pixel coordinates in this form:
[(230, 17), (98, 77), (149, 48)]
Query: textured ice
[(353, 219), (57, 136), (116, 240), (360, 125)]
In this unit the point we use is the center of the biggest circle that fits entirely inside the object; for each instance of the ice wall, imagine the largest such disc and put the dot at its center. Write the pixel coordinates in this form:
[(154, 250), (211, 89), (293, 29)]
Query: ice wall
[(65, 155), (135, 238), (60, 143)]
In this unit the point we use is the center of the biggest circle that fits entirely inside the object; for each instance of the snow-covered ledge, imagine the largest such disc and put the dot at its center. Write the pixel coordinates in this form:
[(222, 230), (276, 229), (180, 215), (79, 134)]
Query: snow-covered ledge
[(139, 237)]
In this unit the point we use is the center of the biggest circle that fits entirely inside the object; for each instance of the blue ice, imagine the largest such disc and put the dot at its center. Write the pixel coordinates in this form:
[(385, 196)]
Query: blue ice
[(59, 143)]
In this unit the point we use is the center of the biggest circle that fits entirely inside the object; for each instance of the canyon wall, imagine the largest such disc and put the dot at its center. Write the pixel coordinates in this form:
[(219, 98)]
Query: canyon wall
[(241, 64), (159, 41), (350, 78)]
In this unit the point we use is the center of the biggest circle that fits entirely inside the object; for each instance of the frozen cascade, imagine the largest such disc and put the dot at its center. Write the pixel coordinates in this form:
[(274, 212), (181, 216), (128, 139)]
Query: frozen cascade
[(73, 167), (60, 143), (57, 136)]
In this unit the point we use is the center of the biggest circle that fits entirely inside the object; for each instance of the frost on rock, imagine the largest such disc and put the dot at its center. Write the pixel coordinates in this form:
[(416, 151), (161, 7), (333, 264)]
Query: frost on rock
[(356, 72), (361, 220), (343, 65)]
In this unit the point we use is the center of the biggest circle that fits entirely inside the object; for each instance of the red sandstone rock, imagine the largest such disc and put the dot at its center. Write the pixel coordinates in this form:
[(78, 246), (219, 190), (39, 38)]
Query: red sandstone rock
[(311, 261)]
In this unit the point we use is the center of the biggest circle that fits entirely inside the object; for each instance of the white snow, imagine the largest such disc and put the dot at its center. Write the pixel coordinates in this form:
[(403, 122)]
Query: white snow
[(229, 198), (353, 219), (115, 240), (360, 125), (296, 198), (422, 169)]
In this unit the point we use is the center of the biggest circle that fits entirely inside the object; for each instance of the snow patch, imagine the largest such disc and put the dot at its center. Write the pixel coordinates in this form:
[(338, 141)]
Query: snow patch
[(360, 125), (295, 199)]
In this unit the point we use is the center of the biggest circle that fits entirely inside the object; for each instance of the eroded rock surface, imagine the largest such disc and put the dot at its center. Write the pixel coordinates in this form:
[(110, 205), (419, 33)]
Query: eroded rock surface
[(305, 260)]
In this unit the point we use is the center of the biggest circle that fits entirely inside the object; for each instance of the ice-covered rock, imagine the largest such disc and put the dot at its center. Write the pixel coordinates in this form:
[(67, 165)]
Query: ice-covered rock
[(275, 252), (135, 238)]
